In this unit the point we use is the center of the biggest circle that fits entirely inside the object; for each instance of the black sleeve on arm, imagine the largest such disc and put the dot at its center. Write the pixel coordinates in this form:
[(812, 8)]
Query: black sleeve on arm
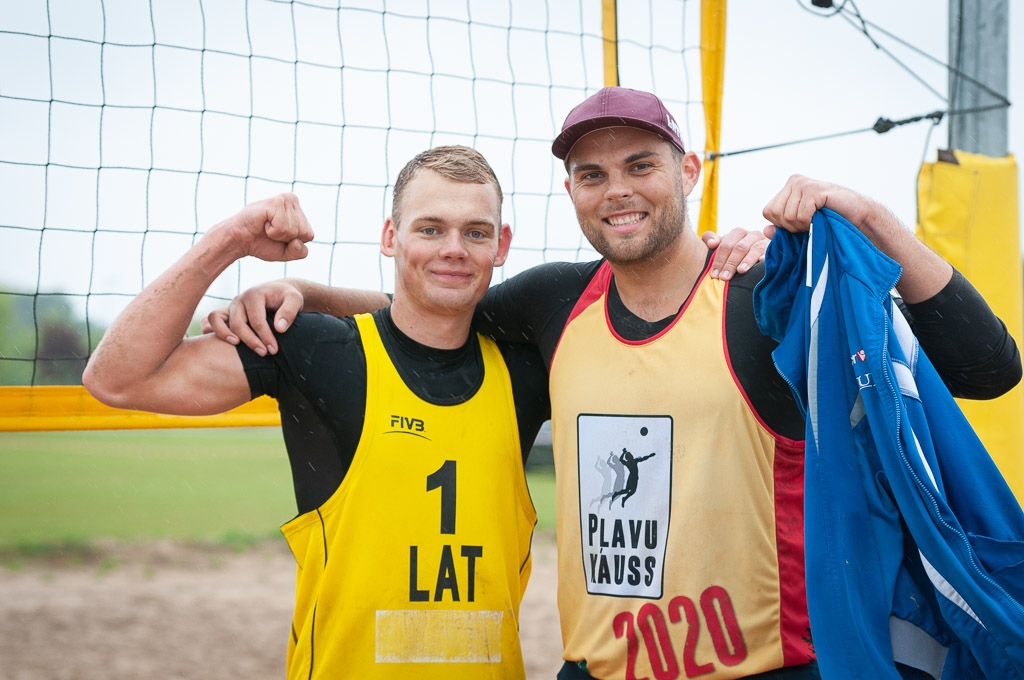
[(750, 355), (967, 343), (320, 441), (532, 306), (529, 391)]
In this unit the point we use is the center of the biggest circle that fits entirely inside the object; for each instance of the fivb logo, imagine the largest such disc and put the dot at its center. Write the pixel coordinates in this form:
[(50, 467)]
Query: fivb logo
[(407, 425)]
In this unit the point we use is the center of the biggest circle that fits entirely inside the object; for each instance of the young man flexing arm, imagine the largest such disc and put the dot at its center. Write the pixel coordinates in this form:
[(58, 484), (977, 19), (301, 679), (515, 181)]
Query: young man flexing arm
[(406, 432)]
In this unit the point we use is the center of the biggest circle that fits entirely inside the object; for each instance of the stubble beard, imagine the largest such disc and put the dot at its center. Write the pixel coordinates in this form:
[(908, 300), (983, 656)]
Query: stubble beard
[(636, 249)]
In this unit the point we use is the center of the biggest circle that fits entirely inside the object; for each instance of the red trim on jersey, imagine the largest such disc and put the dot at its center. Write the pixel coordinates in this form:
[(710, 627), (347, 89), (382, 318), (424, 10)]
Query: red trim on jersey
[(794, 622), (592, 293), (666, 329), (599, 286)]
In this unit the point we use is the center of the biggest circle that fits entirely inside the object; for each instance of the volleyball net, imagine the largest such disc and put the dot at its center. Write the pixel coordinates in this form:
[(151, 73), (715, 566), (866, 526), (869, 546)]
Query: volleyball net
[(131, 127)]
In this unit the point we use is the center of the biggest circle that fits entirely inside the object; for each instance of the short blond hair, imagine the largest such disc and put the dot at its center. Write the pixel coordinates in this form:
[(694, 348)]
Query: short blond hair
[(457, 163)]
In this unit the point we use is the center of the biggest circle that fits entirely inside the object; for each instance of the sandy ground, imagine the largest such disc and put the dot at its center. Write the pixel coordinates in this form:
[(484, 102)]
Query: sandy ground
[(170, 611)]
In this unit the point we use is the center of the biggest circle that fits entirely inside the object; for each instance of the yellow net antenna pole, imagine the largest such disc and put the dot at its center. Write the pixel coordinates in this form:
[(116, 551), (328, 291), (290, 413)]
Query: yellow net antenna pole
[(610, 33), (712, 60)]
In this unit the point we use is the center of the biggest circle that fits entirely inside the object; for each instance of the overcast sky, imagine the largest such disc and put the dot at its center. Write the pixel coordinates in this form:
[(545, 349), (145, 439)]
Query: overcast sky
[(792, 74)]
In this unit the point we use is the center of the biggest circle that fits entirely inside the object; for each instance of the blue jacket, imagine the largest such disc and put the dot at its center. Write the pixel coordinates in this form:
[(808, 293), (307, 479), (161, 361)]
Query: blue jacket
[(914, 542)]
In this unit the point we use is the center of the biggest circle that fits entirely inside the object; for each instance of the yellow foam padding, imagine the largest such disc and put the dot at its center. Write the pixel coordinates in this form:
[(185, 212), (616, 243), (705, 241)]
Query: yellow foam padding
[(968, 212), (73, 408)]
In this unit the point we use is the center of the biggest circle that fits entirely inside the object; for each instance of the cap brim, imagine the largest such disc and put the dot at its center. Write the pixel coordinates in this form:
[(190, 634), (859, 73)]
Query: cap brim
[(564, 142)]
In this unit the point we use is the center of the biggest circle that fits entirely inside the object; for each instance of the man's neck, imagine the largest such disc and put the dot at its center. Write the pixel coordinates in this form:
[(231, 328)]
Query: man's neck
[(430, 328), (657, 288)]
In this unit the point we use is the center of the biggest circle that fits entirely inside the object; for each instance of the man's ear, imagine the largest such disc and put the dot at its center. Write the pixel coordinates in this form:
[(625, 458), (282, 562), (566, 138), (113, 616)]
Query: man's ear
[(387, 238), (504, 243), (691, 171)]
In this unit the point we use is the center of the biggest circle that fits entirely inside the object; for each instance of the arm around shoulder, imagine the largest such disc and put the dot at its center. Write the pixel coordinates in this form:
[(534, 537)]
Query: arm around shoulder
[(341, 301), (245, 319)]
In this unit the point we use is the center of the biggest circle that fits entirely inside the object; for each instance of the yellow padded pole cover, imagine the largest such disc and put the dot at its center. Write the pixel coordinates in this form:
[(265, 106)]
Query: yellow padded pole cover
[(968, 212)]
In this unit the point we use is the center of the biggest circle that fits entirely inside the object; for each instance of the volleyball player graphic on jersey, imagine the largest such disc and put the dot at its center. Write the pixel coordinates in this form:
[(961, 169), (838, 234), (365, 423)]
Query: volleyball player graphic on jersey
[(632, 465), (625, 542)]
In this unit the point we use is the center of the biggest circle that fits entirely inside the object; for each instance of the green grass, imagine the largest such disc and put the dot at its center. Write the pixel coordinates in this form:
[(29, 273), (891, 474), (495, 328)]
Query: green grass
[(203, 484), (222, 485), (542, 491)]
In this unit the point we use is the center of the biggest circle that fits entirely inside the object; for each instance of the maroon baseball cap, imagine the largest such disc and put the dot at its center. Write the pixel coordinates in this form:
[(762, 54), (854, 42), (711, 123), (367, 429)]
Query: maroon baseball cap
[(616, 107)]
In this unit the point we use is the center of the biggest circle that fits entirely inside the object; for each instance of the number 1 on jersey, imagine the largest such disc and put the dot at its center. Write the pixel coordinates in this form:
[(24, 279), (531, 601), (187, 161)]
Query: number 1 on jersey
[(444, 479), (448, 572)]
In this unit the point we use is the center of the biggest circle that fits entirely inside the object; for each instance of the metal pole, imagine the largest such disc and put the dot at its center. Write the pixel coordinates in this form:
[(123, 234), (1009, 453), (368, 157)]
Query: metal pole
[(978, 50)]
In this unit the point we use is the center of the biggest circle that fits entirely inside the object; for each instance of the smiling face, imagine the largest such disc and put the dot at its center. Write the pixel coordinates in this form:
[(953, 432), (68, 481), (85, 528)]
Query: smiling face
[(447, 243), (629, 189)]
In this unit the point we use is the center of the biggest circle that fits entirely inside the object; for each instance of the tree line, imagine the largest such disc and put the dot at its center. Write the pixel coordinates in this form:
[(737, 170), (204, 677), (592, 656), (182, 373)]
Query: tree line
[(44, 339)]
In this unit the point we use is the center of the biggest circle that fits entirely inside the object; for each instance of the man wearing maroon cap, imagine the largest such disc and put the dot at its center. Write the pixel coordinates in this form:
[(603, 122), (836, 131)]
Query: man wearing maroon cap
[(699, 571)]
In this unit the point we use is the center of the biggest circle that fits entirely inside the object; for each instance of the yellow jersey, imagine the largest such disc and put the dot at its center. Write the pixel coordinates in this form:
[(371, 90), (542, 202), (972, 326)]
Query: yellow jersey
[(417, 564)]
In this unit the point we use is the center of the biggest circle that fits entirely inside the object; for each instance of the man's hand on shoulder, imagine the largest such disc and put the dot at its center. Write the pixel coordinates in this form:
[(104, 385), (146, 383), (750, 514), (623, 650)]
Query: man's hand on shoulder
[(245, 318), (737, 251)]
